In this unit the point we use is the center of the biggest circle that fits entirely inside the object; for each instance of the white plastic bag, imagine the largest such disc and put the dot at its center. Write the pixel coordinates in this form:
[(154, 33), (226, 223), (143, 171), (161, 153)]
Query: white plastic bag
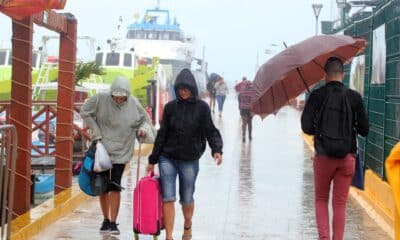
[(102, 161)]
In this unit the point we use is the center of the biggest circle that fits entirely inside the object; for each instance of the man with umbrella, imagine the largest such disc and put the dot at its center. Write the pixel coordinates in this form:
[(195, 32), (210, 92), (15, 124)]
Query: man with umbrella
[(334, 115), (330, 114)]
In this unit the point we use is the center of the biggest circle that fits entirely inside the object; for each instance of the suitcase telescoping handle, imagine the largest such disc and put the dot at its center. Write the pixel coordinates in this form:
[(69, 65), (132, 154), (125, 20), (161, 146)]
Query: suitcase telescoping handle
[(138, 159), (151, 174)]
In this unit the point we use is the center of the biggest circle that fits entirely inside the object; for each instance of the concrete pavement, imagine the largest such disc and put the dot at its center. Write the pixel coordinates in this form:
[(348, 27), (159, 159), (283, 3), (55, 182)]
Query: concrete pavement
[(263, 190)]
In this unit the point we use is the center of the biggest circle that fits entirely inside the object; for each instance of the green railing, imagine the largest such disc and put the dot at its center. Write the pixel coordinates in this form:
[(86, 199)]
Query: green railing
[(382, 100)]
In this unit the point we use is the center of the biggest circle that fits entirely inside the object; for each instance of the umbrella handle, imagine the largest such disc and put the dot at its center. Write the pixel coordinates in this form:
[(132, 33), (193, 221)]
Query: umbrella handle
[(302, 78), (299, 72)]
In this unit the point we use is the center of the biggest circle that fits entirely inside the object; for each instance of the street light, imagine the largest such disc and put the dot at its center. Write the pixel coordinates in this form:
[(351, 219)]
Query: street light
[(317, 10), (342, 5), (152, 98)]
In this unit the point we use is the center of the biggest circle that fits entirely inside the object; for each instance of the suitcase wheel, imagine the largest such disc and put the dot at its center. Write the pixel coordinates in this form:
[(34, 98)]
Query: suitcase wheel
[(137, 237)]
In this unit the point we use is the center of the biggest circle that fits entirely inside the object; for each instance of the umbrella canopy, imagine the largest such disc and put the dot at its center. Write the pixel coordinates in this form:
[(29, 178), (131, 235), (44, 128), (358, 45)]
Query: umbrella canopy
[(19, 9), (290, 72), (214, 77)]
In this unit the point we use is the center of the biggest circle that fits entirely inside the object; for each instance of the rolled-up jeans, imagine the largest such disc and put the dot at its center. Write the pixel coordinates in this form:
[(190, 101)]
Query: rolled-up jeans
[(340, 172), (187, 170), (220, 101)]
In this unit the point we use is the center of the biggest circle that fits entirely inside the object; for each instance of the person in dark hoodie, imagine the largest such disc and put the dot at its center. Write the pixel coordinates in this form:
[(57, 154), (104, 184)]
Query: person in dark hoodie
[(180, 142)]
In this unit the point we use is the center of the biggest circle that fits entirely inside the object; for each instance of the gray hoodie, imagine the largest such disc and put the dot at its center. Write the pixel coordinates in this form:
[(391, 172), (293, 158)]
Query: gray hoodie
[(116, 124), (221, 89)]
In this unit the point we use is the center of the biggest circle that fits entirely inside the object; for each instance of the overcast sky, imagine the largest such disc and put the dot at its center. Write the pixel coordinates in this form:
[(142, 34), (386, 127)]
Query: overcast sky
[(233, 32)]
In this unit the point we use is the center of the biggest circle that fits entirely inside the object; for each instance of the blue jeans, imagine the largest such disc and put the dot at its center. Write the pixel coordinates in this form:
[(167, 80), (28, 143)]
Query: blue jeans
[(187, 172), (220, 100)]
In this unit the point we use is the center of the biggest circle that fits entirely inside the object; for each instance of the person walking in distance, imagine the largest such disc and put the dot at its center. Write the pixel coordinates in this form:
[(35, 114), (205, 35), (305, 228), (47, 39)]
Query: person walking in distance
[(180, 142), (334, 115), (213, 78), (221, 90), (245, 95), (115, 119)]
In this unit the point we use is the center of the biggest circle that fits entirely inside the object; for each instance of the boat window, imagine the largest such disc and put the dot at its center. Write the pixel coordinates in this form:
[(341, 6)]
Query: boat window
[(34, 60), (140, 35), (127, 60), (10, 58), (99, 58), (150, 35), (130, 34), (112, 59), (153, 35), (178, 64), (164, 35), (174, 36), (3, 57)]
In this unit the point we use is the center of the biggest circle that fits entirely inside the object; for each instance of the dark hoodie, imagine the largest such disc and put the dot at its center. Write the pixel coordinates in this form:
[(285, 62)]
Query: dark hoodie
[(185, 126)]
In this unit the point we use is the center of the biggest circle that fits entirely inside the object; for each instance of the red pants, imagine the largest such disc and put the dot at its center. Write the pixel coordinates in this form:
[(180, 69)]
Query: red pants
[(340, 172)]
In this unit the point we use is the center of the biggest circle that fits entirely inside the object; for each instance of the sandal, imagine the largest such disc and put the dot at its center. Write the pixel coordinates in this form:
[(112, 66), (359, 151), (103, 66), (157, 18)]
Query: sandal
[(187, 236)]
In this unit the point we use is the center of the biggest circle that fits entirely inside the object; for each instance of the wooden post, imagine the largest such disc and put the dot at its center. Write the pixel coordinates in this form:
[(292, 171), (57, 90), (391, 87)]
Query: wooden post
[(65, 106), (21, 109)]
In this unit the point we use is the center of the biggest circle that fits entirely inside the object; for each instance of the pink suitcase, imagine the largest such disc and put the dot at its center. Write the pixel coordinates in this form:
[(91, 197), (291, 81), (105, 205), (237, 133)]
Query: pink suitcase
[(147, 205)]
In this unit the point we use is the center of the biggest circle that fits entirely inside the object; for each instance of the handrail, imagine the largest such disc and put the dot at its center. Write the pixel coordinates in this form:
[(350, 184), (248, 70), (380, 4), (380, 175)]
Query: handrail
[(42, 125), (8, 156)]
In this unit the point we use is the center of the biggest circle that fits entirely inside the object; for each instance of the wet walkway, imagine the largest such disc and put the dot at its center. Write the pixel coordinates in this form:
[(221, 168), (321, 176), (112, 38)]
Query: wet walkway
[(263, 190)]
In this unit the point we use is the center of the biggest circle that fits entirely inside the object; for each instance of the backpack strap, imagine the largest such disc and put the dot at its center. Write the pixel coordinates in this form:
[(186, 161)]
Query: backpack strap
[(88, 172), (349, 114), (317, 118), (355, 118)]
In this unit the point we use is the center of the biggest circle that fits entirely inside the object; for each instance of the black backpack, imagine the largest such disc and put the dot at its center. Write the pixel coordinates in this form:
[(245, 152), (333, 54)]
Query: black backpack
[(334, 125)]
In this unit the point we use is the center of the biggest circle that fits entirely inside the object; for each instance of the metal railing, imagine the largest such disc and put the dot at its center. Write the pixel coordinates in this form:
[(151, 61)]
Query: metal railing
[(44, 127), (8, 156)]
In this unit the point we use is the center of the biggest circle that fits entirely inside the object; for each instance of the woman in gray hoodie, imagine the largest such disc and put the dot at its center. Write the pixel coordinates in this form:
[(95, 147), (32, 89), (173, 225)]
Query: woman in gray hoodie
[(115, 118)]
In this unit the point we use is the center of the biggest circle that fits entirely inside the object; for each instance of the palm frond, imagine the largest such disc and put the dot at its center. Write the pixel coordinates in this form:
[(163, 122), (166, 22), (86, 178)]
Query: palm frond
[(84, 70)]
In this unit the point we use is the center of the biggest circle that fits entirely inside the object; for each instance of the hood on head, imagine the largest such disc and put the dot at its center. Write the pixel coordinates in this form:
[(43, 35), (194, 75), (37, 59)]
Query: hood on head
[(120, 86), (186, 78)]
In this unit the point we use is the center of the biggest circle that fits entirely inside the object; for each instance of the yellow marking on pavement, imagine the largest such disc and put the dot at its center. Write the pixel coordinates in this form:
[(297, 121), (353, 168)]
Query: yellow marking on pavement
[(146, 149), (376, 199), (30, 223)]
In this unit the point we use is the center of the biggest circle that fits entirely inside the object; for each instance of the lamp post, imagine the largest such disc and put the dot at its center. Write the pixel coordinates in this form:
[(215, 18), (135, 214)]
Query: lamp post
[(342, 5), (152, 98), (317, 10)]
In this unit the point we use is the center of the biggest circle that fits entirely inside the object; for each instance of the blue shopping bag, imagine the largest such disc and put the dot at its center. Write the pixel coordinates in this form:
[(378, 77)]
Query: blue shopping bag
[(90, 182), (358, 177)]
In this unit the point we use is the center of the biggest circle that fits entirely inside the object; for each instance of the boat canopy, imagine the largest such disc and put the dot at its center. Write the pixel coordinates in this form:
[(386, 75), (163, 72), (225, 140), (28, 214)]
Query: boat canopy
[(157, 25)]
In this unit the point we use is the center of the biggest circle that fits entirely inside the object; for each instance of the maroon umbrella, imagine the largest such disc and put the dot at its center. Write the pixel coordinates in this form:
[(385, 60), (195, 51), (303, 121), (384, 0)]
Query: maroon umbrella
[(295, 69)]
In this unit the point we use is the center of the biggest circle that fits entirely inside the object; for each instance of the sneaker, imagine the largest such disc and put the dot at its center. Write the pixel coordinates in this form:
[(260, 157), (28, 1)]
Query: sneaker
[(114, 229), (105, 226)]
